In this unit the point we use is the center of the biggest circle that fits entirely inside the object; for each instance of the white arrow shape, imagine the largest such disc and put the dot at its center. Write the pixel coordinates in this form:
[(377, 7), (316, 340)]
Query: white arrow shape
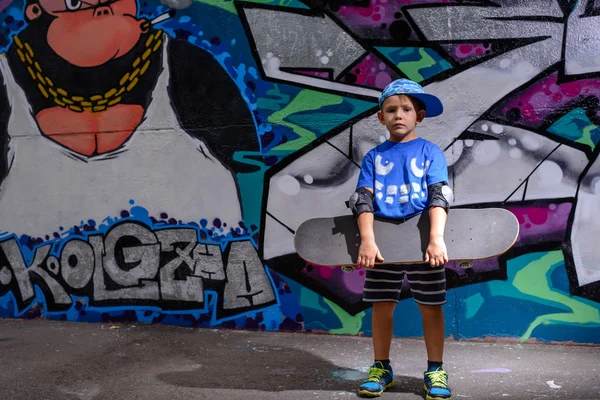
[(289, 39)]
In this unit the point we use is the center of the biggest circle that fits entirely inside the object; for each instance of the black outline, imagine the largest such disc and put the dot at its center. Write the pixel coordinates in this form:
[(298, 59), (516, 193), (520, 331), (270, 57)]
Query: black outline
[(592, 290), (241, 6), (295, 70), (272, 171)]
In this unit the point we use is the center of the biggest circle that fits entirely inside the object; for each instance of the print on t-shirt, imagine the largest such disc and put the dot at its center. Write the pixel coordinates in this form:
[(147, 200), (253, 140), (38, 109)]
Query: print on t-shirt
[(399, 174)]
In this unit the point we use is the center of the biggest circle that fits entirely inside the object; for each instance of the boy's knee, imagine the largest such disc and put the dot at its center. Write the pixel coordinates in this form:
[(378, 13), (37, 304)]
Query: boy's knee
[(384, 306), (430, 310)]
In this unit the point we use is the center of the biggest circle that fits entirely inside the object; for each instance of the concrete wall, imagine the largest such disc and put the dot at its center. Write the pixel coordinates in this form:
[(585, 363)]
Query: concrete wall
[(157, 174)]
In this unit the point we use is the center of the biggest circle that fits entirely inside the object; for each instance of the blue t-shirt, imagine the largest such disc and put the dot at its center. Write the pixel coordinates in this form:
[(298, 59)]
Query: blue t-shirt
[(399, 174)]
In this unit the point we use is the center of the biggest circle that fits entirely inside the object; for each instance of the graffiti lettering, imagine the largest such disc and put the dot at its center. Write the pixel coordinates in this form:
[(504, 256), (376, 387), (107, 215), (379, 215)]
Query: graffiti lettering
[(133, 263)]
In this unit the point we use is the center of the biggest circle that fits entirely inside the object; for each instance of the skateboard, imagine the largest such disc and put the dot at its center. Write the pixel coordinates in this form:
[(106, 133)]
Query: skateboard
[(469, 234)]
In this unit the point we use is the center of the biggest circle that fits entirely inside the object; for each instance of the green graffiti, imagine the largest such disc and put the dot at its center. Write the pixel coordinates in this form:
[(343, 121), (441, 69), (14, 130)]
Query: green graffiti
[(586, 136), (306, 100), (228, 5), (473, 304), (309, 299), (528, 282), (417, 63), (577, 127), (251, 187), (351, 325), (274, 100)]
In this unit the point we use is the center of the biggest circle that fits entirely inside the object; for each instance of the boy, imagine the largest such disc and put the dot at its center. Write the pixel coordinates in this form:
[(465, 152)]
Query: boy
[(401, 178)]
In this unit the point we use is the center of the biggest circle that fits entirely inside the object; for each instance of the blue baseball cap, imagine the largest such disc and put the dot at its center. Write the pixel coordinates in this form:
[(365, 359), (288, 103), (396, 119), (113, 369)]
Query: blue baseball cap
[(405, 86)]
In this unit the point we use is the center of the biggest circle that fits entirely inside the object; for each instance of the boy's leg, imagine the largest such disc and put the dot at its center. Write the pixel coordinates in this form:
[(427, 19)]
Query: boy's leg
[(382, 288), (433, 330), (428, 286), (383, 328)]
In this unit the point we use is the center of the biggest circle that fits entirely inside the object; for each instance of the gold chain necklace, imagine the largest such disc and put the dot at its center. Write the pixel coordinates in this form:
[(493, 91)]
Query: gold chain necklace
[(95, 103)]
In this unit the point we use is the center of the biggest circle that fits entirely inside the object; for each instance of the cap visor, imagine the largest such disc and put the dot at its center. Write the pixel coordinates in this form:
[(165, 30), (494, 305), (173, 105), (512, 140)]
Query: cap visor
[(432, 103)]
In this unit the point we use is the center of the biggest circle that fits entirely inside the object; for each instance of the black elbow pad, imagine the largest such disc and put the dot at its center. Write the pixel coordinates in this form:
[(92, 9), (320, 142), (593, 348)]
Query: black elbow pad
[(361, 201), (440, 195)]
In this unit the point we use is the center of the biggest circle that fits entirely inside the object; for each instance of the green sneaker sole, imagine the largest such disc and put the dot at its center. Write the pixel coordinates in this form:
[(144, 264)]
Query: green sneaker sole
[(428, 397), (366, 393)]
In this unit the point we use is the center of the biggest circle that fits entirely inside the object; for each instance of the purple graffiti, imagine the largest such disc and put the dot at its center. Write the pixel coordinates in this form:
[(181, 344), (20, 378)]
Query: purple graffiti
[(533, 106), (4, 4), (542, 223), (371, 72), (382, 19)]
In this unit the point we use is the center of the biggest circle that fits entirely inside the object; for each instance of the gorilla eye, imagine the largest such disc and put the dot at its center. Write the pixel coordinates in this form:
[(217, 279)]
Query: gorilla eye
[(73, 4)]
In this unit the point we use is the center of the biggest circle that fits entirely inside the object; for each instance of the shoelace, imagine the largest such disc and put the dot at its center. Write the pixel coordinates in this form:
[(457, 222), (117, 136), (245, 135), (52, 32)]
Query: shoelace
[(375, 374), (438, 378)]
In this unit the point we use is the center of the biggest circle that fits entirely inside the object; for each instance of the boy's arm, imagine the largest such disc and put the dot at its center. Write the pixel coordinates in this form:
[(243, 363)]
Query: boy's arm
[(436, 254), (361, 204), (365, 221), (440, 196)]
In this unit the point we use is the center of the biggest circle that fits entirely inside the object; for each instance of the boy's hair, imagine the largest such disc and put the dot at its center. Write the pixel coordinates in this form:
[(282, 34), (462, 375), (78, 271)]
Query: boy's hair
[(418, 104)]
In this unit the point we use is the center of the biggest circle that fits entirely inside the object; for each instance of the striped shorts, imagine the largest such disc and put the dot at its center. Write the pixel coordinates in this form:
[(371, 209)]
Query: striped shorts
[(427, 284)]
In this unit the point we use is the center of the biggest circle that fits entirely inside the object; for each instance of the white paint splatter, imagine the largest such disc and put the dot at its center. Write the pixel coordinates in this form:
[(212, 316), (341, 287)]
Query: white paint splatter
[(487, 152), (505, 63), (454, 152), (324, 60), (531, 142), (552, 385), (549, 173), (515, 153), (469, 142), (485, 127), (497, 129), (499, 370), (288, 185), (308, 179), (512, 141)]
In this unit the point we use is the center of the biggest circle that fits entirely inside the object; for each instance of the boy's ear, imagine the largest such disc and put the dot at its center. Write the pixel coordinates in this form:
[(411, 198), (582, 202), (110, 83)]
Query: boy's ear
[(380, 117), (421, 116)]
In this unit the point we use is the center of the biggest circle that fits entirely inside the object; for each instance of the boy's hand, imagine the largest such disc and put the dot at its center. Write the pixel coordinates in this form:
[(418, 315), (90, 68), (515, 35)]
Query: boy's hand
[(436, 254), (368, 252)]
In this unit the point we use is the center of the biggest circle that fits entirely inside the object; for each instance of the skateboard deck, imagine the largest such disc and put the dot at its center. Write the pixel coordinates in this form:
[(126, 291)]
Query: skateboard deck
[(469, 234)]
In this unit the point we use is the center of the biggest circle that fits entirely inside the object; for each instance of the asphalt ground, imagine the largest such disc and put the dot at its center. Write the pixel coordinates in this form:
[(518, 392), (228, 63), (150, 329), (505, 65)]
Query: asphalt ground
[(42, 359)]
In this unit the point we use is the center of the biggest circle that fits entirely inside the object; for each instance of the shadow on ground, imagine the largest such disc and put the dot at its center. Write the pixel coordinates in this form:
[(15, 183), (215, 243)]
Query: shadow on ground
[(274, 369)]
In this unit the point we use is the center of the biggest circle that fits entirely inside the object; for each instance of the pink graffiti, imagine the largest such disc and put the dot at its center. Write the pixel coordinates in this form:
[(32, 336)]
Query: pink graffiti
[(533, 105), (371, 72), (542, 223), (380, 13), (464, 51), (4, 4)]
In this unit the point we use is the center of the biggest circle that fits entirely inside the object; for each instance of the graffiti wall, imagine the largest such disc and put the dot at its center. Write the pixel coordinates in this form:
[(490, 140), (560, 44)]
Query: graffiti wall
[(156, 157)]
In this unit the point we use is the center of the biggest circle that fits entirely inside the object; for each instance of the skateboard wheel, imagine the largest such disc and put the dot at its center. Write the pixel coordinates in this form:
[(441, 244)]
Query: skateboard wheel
[(348, 268), (466, 264)]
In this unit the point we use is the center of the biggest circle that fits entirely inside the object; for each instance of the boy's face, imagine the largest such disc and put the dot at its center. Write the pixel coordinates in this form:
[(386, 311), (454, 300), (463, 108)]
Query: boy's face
[(400, 116)]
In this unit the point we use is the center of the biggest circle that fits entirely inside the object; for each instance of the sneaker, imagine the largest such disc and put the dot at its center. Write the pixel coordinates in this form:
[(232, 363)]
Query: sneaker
[(379, 380), (436, 385)]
